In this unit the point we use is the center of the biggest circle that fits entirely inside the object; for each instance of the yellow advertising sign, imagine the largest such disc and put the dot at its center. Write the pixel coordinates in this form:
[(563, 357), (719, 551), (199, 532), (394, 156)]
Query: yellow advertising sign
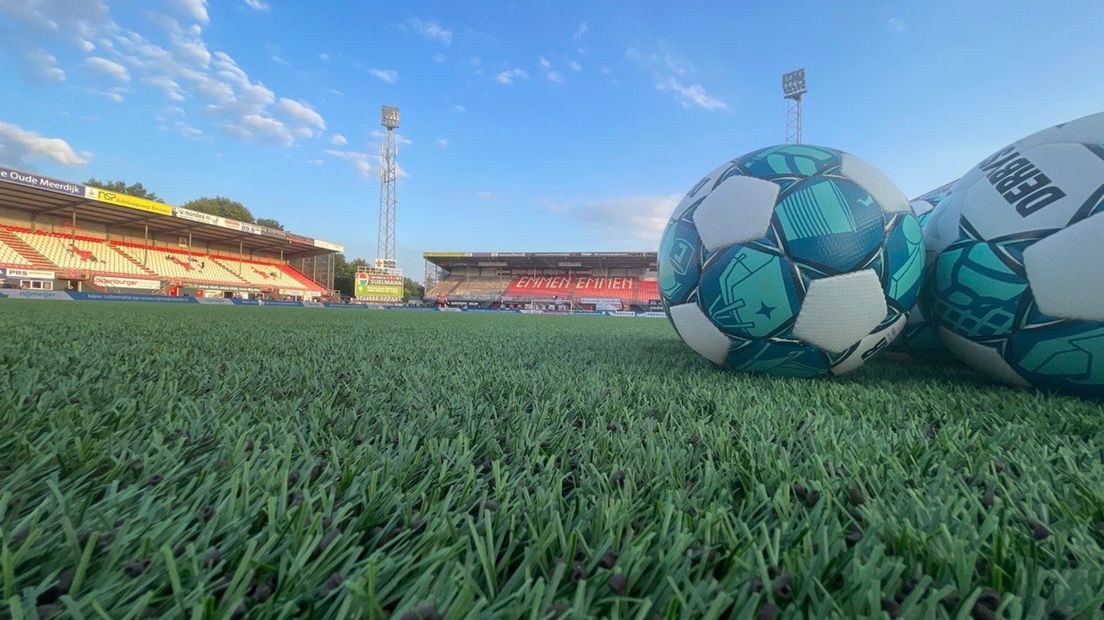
[(131, 202)]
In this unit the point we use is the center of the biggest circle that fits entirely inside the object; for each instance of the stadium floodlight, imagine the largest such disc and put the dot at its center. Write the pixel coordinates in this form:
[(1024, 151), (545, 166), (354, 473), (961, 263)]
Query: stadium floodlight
[(793, 84), (389, 116), (793, 90), (388, 203)]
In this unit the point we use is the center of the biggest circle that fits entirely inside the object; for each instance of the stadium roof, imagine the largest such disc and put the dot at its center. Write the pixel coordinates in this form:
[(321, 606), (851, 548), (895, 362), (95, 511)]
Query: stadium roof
[(543, 260), (40, 195)]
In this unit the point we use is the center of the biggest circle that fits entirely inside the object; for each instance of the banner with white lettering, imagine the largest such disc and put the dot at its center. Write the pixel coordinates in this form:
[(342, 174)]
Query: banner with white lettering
[(41, 182), (135, 283), (31, 274)]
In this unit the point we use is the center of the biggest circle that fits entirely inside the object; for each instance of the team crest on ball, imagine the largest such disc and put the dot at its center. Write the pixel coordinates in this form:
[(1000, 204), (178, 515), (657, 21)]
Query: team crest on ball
[(1017, 285), (794, 260)]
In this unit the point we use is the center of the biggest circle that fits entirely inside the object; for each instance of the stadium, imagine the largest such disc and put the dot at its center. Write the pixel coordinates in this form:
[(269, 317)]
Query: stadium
[(544, 281), (62, 236), (788, 391)]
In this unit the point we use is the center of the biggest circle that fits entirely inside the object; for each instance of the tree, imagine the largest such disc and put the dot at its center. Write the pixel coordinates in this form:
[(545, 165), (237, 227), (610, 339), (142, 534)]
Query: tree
[(412, 289), (221, 206), (345, 273), (121, 187), (271, 223)]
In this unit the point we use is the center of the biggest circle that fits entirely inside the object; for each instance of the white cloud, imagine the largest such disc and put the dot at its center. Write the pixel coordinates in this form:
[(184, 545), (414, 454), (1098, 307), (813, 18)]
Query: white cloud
[(666, 70), (442, 142), (544, 62), (113, 93), (896, 24), (555, 77), (257, 126), (475, 61), (580, 31), (179, 65), (489, 196), (379, 134), (168, 87), (459, 109), (301, 112), (171, 120), (257, 5), (28, 26), (665, 61), (361, 161), (316, 162), (19, 146), (428, 30), (324, 57), (508, 76), (107, 68), (193, 52), (438, 57), (41, 67), (279, 60), (337, 92), (575, 66), (694, 94), (195, 9), (338, 140), (637, 220), (387, 75)]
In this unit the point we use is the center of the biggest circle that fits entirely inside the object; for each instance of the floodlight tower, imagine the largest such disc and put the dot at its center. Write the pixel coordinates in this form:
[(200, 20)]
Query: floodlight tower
[(389, 168), (793, 90)]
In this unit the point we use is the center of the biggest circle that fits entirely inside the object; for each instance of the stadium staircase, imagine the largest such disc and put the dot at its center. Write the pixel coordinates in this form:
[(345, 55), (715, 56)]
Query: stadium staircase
[(36, 260), (130, 259)]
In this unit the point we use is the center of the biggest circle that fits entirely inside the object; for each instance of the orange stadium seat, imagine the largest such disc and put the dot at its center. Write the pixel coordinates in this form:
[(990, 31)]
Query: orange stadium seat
[(593, 287), (541, 287), (84, 254)]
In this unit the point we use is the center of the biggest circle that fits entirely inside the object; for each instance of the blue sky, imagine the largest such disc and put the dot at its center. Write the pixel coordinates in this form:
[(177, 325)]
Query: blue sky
[(526, 126)]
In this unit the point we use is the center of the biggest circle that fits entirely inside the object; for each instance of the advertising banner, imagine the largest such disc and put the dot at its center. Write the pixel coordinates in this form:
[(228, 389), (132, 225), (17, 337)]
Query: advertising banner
[(31, 274), (226, 222), (160, 299), (110, 282), (31, 294), (379, 291), (326, 245), (41, 182), (130, 202), (196, 216)]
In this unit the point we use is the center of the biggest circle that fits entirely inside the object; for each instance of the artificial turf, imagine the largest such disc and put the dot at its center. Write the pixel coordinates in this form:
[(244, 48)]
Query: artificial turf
[(212, 461)]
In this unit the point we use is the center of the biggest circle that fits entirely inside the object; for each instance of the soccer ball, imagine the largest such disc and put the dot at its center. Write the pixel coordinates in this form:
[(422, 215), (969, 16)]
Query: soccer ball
[(793, 260), (1019, 278), (920, 337)]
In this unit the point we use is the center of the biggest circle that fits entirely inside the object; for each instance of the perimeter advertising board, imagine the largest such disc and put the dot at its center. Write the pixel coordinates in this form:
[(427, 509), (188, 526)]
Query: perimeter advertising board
[(196, 216), (41, 182), (130, 202), (135, 283), (374, 286), (31, 274)]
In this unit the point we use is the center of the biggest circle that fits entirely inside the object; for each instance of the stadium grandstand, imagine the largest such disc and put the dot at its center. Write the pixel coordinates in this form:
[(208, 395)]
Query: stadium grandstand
[(59, 235), (557, 281)]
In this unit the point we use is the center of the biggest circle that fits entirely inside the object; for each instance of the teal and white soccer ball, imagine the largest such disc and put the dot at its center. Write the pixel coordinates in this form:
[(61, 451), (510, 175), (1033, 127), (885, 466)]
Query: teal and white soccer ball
[(920, 337), (1019, 277), (793, 260)]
